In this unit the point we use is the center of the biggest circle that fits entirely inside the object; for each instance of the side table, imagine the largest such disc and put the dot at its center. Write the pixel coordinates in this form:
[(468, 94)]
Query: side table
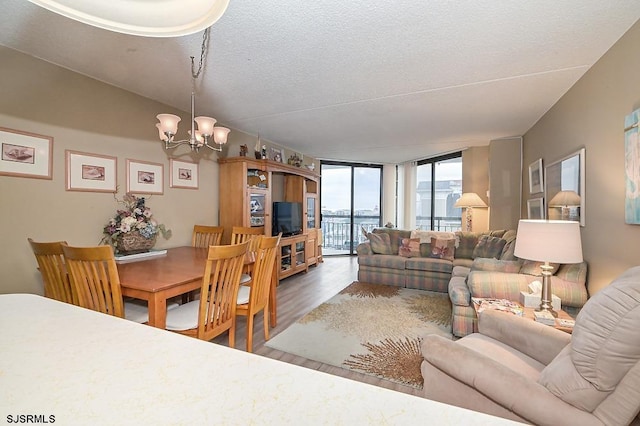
[(528, 314)]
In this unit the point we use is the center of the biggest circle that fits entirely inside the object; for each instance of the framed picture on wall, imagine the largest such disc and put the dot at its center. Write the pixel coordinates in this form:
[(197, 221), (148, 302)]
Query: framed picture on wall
[(90, 172), (535, 208), (144, 177), (25, 154), (183, 174), (536, 183)]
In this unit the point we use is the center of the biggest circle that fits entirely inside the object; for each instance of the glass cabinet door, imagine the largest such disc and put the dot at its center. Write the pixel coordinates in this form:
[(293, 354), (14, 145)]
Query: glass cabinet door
[(311, 212), (300, 257), (257, 205)]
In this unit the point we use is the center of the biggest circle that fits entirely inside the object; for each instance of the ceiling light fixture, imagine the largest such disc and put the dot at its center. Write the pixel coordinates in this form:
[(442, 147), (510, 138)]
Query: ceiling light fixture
[(141, 18), (207, 132)]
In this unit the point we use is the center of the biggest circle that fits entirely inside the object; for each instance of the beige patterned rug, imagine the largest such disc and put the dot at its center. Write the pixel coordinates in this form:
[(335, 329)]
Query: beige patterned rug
[(370, 328)]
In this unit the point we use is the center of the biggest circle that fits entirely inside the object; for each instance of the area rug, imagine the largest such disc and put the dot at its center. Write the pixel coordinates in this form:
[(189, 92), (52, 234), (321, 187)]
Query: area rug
[(372, 329)]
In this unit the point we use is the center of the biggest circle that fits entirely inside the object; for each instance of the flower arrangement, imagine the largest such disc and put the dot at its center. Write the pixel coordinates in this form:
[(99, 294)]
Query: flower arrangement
[(133, 229)]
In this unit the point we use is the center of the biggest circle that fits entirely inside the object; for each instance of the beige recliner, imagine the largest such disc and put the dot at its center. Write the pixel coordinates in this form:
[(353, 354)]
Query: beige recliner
[(525, 371)]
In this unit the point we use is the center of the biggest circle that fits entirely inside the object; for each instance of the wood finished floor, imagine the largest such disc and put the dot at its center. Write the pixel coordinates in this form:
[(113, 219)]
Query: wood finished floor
[(297, 295)]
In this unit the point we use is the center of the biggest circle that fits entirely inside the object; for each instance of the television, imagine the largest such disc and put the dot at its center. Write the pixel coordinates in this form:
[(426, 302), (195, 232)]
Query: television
[(287, 218)]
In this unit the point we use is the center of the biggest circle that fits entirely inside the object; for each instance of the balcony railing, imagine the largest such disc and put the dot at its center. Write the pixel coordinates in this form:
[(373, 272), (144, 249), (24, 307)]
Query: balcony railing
[(336, 229)]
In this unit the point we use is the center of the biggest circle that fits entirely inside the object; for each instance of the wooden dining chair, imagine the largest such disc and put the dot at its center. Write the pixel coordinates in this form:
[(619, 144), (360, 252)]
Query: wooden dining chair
[(94, 275), (205, 236), (254, 298), (51, 264), (240, 234), (215, 311)]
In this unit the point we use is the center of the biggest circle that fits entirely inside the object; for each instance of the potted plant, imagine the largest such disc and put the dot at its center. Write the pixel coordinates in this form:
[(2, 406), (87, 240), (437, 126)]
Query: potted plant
[(133, 229)]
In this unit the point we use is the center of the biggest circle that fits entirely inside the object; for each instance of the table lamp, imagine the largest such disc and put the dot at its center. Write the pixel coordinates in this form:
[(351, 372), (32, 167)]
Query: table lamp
[(469, 200), (564, 200), (556, 241)]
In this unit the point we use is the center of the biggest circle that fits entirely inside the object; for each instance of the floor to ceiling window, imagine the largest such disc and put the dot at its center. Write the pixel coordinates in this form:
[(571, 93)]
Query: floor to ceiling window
[(438, 186), (350, 198)]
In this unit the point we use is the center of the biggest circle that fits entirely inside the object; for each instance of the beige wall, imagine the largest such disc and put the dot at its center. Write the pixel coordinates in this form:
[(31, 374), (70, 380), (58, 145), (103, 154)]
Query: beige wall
[(85, 115), (591, 115), (505, 171), (475, 178)]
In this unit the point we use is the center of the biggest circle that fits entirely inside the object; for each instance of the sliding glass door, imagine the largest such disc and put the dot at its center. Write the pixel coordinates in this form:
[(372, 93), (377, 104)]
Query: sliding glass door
[(439, 185), (350, 198)]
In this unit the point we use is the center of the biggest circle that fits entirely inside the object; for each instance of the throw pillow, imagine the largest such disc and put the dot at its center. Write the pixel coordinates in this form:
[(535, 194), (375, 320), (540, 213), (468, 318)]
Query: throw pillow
[(468, 241), (427, 236), (495, 265), (442, 248), (380, 243), (489, 246), (529, 267), (409, 247)]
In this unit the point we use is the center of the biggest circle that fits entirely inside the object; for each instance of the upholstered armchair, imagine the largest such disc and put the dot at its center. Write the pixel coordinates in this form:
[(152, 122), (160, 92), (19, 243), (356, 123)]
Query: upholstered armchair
[(525, 371)]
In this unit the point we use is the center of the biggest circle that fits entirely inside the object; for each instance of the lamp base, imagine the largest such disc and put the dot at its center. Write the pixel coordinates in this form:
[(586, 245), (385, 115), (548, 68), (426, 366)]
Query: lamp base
[(550, 310), (545, 299)]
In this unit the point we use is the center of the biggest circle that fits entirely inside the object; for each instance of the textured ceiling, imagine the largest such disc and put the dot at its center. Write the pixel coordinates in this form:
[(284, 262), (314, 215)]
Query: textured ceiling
[(355, 80)]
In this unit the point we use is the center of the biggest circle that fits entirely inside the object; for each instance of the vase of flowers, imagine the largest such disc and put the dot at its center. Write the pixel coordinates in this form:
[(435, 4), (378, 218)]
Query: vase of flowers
[(133, 229)]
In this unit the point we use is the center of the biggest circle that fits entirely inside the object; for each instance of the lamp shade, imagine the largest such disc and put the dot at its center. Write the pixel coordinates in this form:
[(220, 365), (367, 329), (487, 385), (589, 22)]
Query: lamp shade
[(220, 135), (470, 199), (565, 199), (168, 123), (205, 125), (556, 241)]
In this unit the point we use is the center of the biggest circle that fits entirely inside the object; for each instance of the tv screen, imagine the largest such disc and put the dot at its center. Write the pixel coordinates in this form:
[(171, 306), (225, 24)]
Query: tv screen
[(287, 218)]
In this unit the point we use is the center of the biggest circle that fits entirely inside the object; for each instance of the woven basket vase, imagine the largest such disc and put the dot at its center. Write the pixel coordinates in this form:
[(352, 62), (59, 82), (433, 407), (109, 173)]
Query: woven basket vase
[(132, 242)]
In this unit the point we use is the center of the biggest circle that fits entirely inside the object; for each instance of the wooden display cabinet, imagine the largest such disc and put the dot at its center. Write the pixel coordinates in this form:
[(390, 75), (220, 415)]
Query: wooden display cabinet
[(305, 191), (245, 196), (293, 258)]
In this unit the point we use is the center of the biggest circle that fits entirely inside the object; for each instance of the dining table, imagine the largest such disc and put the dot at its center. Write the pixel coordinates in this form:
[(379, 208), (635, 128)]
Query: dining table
[(160, 278)]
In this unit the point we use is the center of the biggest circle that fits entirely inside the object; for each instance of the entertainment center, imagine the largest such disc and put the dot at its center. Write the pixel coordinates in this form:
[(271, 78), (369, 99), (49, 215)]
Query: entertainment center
[(249, 190)]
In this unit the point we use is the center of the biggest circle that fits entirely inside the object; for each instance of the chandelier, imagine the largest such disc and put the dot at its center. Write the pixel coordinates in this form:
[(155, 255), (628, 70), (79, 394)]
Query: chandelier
[(207, 134)]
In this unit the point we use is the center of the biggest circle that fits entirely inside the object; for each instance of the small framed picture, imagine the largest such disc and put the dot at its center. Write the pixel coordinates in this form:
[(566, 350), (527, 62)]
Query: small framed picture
[(536, 183), (276, 155), (144, 177), (90, 172), (25, 154), (183, 174), (535, 208)]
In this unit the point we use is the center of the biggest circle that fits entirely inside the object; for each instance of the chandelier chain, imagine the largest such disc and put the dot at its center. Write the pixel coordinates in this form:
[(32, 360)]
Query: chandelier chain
[(203, 53)]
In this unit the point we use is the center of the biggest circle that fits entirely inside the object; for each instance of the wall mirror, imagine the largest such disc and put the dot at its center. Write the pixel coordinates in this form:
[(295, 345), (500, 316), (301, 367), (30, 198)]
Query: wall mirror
[(566, 174)]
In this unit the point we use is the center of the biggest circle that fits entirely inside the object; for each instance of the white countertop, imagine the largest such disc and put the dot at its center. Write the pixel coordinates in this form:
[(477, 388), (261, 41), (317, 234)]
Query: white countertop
[(88, 368)]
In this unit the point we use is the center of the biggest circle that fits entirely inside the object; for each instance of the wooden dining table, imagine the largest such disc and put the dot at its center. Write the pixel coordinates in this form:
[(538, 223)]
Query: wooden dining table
[(157, 279)]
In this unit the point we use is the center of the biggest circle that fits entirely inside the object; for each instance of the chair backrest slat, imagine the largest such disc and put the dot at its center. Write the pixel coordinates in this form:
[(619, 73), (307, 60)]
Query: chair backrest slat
[(240, 234), (205, 236), (94, 275), (263, 271), (220, 289), (55, 278)]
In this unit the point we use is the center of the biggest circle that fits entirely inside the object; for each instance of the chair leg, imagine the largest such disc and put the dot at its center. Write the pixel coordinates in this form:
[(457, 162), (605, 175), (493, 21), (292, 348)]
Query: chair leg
[(232, 335), (250, 332), (266, 323)]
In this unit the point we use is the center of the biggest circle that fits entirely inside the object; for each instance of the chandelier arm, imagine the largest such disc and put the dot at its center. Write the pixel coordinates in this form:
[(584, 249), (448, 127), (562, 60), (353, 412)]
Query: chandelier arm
[(193, 141)]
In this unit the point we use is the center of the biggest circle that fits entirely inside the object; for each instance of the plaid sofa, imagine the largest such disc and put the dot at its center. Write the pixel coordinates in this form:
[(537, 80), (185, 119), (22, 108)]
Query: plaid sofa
[(460, 278), (422, 272)]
